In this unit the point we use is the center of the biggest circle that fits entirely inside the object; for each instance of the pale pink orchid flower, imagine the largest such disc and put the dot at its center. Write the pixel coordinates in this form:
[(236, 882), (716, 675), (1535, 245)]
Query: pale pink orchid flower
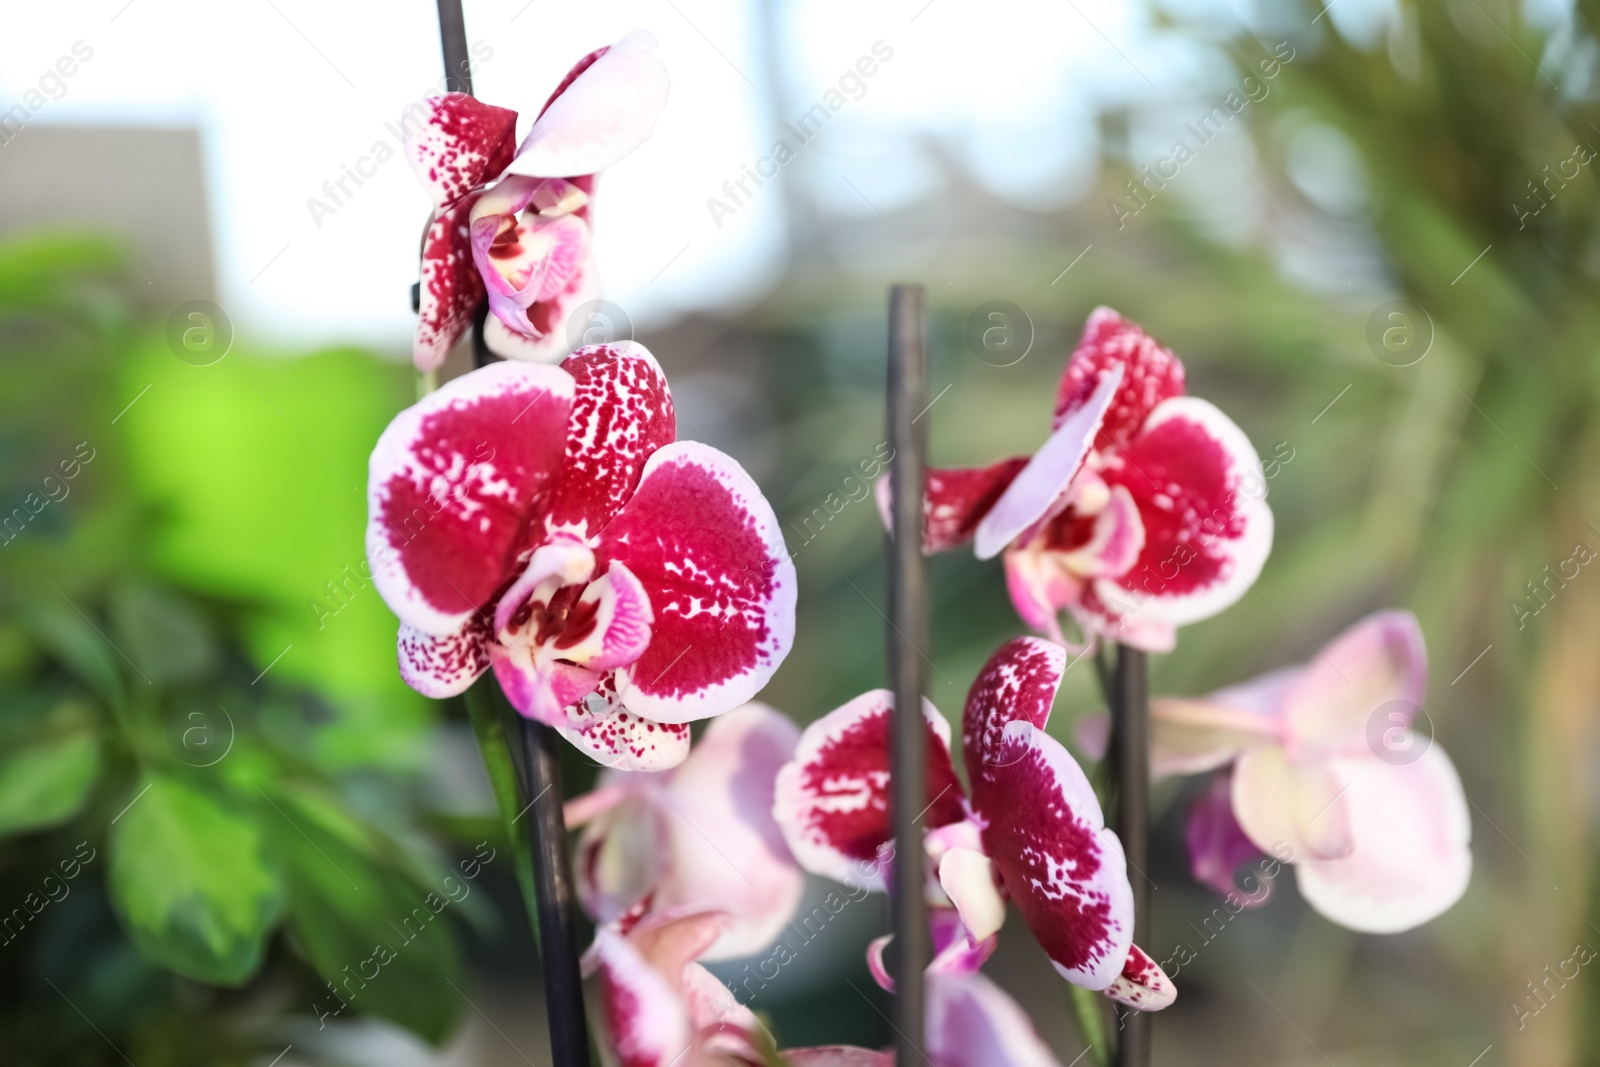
[(525, 240), (661, 1008), (701, 834), (1323, 770), (1031, 832), (543, 521), (1145, 509)]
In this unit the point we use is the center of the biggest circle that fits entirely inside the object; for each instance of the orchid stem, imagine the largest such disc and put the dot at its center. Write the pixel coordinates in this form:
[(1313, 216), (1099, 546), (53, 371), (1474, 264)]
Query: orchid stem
[(1129, 759), (504, 778), (1091, 1024)]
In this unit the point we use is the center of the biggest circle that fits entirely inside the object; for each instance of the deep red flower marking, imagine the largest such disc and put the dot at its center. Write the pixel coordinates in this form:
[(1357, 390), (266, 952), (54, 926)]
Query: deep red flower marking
[(1183, 482), (690, 535), (1151, 374), (465, 480), (1048, 857), (622, 414)]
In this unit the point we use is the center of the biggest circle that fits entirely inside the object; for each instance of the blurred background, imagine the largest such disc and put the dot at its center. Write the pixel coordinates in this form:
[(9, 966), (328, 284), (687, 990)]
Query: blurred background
[(1371, 229)]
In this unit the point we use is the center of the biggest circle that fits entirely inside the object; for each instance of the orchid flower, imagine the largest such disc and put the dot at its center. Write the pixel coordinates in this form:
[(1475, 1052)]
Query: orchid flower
[(1031, 831), (1145, 510), (543, 521), (524, 240), (701, 834), (662, 1009), (1327, 774)]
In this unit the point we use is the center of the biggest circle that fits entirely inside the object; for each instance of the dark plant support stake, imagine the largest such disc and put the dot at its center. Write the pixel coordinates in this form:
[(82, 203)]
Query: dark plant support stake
[(908, 634), (1131, 755), (535, 752)]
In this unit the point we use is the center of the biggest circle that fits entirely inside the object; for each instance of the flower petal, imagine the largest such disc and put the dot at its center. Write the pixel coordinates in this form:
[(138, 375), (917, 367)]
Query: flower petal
[(832, 800), (706, 545), (1142, 985), (1411, 858), (1202, 498), (445, 666), (1151, 374), (540, 688), (954, 501), (451, 287), (1192, 736), (968, 879), (621, 414), (617, 738), (1019, 682), (453, 484), (646, 1018), (1047, 838), (1299, 807), (604, 110), (972, 1023), (462, 144), (1217, 845), (722, 846), (549, 319), (1041, 485), (1375, 670)]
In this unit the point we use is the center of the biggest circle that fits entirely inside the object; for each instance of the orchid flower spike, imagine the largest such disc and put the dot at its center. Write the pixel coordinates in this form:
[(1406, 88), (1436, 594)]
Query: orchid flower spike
[(544, 522), (1327, 773), (699, 835), (1144, 510), (660, 1007), (524, 240), (1032, 830)]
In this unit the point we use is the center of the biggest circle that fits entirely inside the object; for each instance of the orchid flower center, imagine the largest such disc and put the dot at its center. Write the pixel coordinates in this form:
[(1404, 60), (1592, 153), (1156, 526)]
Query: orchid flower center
[(533, 236), (563, 625), (1098, 534)]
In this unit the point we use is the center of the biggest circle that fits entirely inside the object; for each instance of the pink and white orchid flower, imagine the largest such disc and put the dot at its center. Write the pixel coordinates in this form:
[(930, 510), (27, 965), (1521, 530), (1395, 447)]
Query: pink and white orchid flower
[(1145, 510), (663, 1009), (1031, 831), (544, 522), (525, 241), (1327, 773), (701, 834)]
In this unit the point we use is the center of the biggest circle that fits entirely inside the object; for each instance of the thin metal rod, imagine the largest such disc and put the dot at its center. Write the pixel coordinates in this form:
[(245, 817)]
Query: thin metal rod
[(552, 878), (1131, 745), (453, 37), (908, 629)]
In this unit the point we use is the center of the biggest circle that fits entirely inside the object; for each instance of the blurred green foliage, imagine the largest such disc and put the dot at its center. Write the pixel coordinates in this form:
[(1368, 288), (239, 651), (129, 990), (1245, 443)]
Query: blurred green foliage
[(210, 802)]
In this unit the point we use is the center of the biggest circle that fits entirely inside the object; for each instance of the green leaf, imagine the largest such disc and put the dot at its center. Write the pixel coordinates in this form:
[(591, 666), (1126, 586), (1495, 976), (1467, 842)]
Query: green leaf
[(379, 937), (162, 634), (74, 640), (191, 881), (48, 772)]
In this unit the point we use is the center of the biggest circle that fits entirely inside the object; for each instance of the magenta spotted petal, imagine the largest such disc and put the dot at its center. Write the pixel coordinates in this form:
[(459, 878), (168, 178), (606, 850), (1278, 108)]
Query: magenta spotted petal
[(1063, 869), (444, 666), (706, 547), (451, 287), (453, 484), (1151, 374), (463, 144), (833, 797), (1043, 828), (621, 414), (1201, 498), (954, 501)]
